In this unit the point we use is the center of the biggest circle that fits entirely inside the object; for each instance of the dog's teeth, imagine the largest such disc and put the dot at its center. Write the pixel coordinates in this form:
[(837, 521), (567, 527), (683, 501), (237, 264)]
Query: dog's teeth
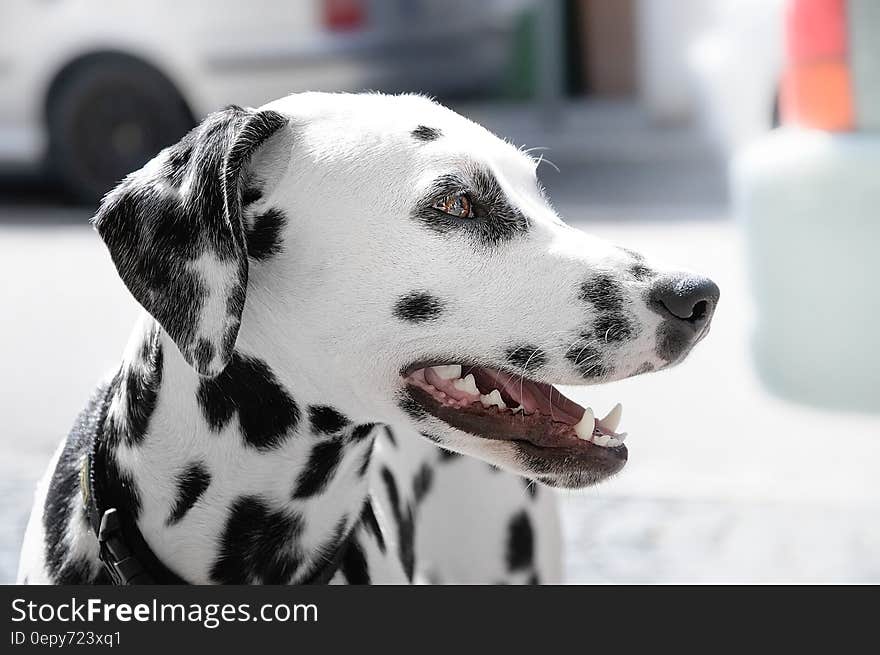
[(450, 372), (467, 384), (612, 420), (495, 397), (584, 428), (517, 409), (606, 441)]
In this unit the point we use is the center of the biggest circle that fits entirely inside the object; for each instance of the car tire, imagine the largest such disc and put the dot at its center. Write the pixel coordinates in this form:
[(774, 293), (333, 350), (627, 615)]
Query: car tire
[(108, 118)]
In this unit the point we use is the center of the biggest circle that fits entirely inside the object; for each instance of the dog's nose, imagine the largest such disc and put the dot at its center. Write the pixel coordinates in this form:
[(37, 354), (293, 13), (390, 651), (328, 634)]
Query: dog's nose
[(689, 299)]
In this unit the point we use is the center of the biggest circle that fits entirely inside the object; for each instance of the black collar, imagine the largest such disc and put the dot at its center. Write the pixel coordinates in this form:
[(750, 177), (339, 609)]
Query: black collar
[(123, 551)]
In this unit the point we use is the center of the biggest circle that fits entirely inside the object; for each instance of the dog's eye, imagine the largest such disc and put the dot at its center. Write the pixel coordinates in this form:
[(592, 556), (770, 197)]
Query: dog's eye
[(455, 204)]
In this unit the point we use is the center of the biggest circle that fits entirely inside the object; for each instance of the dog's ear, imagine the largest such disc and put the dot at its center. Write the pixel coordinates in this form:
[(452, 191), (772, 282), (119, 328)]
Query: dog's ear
[(174, 231)]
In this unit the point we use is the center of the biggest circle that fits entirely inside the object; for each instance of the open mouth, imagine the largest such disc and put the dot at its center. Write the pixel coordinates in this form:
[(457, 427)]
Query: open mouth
[(494, 404)]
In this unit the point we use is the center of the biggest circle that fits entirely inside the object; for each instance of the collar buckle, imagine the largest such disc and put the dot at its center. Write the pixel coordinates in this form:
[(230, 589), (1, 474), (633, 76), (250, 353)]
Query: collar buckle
[(123, 567)]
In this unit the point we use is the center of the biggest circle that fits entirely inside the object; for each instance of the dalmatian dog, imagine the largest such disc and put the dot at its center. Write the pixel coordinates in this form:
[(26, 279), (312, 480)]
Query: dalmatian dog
[(355, 310)]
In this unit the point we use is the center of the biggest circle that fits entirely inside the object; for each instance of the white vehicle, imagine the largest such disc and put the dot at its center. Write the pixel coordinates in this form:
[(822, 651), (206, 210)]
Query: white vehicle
[(94, 89)]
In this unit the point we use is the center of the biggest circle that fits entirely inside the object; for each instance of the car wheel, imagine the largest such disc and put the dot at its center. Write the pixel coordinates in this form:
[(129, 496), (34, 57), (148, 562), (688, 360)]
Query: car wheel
[(109, 118)]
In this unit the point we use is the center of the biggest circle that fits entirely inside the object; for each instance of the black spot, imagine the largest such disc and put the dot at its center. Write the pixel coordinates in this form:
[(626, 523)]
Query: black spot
[(365, 461), (179, 158), (603, 292), (391, 488), (495, 220), (250, 194), (234, 305), (613, 327), (418, 307), (587, 359), (533, 579), (142, 384), (264, 234), (647, 367), (354, 564), (448, 455), (258, 545), (528, 358), (326, 420), (319, 469), (191, 484), (204, 354), (422, 482), (390, 435), (520, 542), (190, 293), (641, 272), (493, 468), (361, 432), (531, 487), (425, 133), (247, 386), (432, 437), (672, 341), (403, 516), (639, 257), (368, 517)]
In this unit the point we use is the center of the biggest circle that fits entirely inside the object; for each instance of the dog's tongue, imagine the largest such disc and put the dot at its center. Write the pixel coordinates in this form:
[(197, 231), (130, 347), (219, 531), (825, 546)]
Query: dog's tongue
[(533, 396), (476, 381)]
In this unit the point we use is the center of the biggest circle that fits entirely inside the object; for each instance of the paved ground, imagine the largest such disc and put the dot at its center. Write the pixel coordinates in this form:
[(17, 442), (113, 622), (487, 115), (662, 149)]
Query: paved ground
[(725, 482)]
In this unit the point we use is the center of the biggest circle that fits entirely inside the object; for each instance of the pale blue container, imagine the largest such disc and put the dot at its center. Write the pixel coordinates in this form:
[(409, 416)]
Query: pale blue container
[(809, 203)]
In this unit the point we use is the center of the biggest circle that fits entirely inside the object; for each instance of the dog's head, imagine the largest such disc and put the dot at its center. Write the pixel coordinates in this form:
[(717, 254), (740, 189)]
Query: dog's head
[(406, 261)]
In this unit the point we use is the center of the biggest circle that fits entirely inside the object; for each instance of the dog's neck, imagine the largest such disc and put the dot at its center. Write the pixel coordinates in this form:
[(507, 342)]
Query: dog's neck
[(243, 478)]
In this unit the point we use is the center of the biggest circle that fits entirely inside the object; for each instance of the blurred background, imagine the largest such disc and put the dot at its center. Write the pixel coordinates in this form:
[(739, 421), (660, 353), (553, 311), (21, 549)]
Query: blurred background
[(734, 137)]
